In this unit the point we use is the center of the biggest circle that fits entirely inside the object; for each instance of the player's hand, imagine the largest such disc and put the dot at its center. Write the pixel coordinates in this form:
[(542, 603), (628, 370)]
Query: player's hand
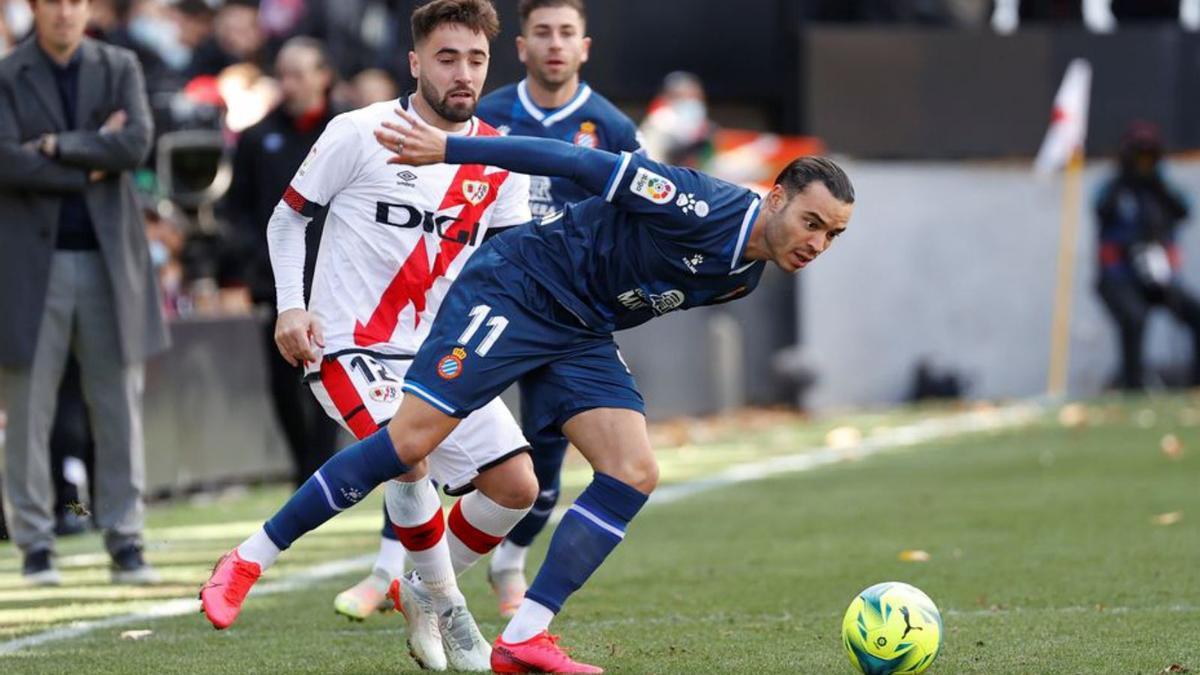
[(298, 336), (414, 142)]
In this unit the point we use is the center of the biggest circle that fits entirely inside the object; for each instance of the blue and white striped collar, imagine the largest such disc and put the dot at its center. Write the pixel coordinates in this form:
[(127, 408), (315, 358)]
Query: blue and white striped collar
[(551, 117)]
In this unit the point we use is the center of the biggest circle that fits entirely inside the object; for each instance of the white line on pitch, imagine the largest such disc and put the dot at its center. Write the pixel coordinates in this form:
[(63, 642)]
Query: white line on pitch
[(900, 437)]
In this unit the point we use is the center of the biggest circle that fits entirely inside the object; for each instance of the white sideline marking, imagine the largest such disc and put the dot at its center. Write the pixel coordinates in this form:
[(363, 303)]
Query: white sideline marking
[(900, 437), (184, 606)]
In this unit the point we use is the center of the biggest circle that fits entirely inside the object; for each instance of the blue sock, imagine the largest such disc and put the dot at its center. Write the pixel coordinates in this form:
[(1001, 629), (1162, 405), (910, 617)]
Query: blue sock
[(340, 483), (590, 530), (547, 466)]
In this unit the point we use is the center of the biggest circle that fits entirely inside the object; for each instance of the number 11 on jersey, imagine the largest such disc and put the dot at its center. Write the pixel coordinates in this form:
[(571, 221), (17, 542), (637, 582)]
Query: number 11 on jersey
[(496, 326)]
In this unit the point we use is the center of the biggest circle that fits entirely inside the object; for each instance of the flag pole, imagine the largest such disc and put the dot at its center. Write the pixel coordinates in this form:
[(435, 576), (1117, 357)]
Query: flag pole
[(1060, 333)]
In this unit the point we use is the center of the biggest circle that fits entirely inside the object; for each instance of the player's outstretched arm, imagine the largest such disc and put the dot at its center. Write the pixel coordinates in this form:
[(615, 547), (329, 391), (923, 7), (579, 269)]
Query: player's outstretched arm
[(416, 143)]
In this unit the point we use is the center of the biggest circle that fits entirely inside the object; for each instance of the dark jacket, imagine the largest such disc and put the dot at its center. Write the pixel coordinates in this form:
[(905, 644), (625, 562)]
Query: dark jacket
[(267, 156), (32, 186)]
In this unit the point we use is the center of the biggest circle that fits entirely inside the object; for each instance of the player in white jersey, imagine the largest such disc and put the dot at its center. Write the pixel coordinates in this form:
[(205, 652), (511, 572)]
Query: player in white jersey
[(394, 240)]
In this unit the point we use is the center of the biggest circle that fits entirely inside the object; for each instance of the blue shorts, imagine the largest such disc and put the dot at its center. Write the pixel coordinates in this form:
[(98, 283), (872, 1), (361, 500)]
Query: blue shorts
[(498, 326)]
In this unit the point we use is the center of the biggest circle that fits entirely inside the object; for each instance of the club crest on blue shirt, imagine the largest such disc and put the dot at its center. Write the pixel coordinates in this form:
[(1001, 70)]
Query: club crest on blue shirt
[(450, 366), (652, 186), (586, 136), (475, 191)]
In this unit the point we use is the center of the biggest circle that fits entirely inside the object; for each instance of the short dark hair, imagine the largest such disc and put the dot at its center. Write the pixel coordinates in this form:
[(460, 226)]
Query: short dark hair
[(313, 45), (806, 170), (527, 7), (477, 15)]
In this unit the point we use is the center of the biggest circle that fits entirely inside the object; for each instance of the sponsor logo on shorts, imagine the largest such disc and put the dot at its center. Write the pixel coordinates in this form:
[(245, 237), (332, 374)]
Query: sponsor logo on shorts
[(586, 137), (384, 393), (652, 186)]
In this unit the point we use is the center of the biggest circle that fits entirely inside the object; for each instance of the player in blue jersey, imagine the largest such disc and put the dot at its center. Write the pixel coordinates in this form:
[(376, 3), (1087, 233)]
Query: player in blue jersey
[(551, 102), (539, 304)]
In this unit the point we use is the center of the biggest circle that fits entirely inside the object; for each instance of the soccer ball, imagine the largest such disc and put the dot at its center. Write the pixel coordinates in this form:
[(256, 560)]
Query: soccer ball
[(892, 628)]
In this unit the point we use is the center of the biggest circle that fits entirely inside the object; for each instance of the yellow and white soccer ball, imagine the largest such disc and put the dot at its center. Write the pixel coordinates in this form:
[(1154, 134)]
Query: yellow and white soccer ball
[(892, 628)]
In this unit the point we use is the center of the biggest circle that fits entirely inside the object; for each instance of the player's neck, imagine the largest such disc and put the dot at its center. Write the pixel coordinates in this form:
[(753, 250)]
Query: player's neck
[(551, 98), (756, 242), (430, 116)]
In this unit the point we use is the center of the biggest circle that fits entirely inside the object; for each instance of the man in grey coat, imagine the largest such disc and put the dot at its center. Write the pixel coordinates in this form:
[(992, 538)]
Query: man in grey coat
[(75, 275)]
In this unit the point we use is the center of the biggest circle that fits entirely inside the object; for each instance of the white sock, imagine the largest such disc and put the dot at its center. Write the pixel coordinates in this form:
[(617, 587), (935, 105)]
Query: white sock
[(259, 549), (416, 505), (531, 618), (391, 558), (476, 524), (508, 556)]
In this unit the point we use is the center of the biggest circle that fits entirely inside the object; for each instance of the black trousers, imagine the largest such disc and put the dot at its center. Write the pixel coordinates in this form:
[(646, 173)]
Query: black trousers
[(311, 436), (1130, 303)]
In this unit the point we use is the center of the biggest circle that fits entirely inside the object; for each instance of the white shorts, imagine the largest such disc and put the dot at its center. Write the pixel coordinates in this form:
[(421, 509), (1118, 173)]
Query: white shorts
[(362, 392)]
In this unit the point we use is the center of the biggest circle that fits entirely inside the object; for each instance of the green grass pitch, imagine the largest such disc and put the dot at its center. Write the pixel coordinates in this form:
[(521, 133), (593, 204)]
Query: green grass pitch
[(1044, 558)]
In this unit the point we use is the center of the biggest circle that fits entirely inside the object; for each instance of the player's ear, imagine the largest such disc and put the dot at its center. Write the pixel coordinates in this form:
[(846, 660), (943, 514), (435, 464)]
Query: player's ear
[(777, 198), (414, 65), (521, 48), (587, 46)]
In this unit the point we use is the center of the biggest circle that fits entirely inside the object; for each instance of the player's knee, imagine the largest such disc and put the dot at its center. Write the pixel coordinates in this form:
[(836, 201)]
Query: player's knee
[(512, 484), (411, 450), (639, 471)]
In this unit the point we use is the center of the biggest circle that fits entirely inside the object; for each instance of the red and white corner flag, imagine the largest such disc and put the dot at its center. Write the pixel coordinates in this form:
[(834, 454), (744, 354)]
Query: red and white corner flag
[(1068, 123)]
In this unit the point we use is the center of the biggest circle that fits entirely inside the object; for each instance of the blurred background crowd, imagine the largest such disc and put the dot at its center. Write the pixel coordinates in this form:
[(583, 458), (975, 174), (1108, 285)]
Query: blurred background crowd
[(240, 89)]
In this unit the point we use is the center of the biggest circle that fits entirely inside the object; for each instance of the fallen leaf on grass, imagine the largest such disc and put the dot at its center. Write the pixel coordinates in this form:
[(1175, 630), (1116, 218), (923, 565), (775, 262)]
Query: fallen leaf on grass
[(1072, 415), (1167, 518), (1145, 418), (1171, 446), (915, 556), (136, 634), (1175, 668), (843, 437)]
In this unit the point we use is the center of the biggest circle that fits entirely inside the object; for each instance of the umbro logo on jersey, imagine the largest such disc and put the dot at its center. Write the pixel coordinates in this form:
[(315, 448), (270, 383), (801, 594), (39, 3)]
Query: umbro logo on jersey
[(407, 178), (475, 191)]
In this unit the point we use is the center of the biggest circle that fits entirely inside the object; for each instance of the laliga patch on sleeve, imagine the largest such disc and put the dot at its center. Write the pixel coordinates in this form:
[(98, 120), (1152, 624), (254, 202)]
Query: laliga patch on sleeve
[(652, 186)]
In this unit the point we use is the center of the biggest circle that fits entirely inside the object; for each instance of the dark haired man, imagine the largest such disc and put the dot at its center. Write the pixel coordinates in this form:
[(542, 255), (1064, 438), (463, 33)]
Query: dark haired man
[(540, 304), (551, 102)]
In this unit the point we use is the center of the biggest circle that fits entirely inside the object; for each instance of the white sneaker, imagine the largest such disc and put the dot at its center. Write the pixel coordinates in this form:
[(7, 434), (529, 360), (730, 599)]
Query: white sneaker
[(365, 598), (465, 647), (424, 636)]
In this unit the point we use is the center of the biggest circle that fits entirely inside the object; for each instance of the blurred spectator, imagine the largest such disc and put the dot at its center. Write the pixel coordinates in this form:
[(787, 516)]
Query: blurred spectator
[(677, 129), (362, 34), (16, 20), (67, 141), (110, 23), (370, 86), (267, 156), (236, 38), (1139, 213)]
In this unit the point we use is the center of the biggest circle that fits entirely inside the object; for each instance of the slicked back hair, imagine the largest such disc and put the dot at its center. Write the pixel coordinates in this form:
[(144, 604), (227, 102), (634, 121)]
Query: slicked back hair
[(527, 7), (477, 15), (804, 171)]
